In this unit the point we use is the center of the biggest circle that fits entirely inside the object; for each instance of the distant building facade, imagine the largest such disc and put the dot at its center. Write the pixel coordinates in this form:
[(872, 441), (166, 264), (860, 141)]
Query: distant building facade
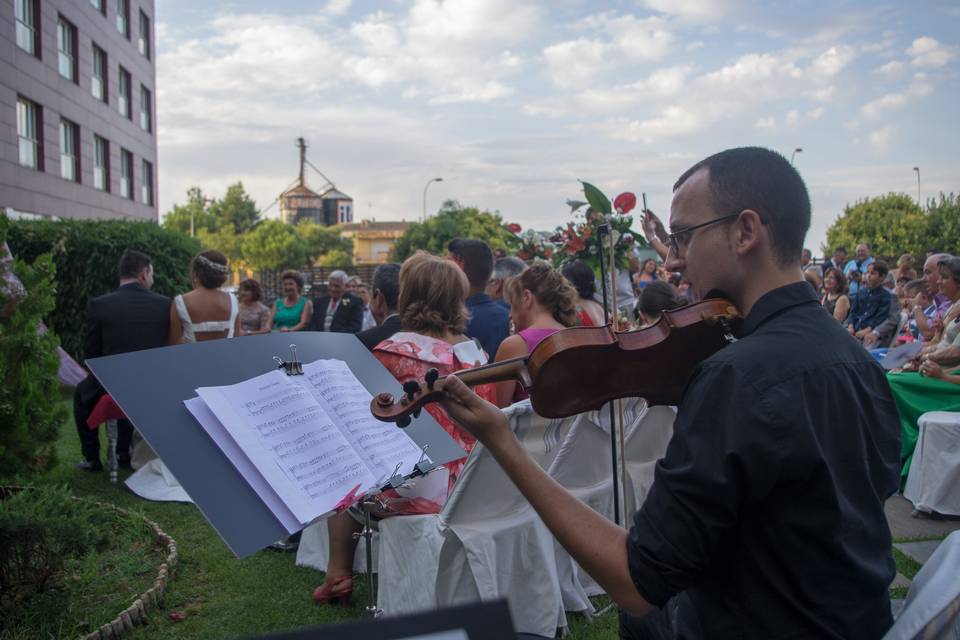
[(77, 108), (328, 208), (373, 241)]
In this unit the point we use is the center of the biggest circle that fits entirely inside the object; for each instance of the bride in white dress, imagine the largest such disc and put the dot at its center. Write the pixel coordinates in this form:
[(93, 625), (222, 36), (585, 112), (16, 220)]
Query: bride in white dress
[(204, 313)]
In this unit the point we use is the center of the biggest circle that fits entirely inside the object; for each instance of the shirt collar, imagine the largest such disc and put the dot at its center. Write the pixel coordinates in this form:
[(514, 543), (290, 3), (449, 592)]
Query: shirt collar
[(479, 298), (775, 301)]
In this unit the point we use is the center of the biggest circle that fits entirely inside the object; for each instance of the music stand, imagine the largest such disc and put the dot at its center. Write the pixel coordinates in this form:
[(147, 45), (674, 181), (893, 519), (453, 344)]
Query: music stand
[(151, 385)]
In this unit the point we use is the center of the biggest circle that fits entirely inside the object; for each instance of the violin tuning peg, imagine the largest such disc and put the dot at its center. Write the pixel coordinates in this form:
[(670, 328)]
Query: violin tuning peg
[(416, 414), (431, 378), (411, 388), (403, 422)]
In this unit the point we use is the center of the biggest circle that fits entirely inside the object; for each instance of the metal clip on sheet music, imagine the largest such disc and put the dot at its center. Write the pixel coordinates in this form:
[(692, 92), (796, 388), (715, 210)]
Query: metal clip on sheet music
[(294, 367), (424, 465)]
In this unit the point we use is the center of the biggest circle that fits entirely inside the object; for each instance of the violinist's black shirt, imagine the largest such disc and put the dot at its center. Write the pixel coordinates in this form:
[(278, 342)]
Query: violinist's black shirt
[(767, 508)]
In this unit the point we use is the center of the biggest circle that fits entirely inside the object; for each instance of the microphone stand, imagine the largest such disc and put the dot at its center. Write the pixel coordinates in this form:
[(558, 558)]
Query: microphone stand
[(601, 231)]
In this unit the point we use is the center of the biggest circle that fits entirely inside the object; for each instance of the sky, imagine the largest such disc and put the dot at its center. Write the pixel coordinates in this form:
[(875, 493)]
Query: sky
[(512, 102)]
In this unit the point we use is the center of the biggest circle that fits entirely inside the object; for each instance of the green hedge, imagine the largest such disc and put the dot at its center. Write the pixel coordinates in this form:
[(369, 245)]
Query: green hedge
[(86, 254)]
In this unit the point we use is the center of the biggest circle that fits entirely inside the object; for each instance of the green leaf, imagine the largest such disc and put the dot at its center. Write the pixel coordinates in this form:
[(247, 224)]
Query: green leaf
[(597, 200)]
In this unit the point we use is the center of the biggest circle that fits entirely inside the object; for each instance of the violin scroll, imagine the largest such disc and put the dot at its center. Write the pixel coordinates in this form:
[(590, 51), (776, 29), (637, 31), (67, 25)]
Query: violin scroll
[(386, 408)]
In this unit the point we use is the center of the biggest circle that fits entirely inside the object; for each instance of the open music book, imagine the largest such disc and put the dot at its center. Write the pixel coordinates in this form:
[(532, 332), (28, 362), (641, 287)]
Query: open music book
[(305, 444)]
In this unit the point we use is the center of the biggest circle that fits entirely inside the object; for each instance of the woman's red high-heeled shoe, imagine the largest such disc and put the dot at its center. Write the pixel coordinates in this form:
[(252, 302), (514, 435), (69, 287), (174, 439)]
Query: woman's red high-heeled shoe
[(335, 590)]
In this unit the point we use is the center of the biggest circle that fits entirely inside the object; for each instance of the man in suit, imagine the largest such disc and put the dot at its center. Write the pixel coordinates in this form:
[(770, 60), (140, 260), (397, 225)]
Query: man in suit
[(339, 310), (383, 305), (489, 322), (129, 319)]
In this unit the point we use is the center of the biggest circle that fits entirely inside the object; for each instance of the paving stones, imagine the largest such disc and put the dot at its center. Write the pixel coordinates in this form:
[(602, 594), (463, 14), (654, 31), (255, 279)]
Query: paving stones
[(919, 551), (898, 510)]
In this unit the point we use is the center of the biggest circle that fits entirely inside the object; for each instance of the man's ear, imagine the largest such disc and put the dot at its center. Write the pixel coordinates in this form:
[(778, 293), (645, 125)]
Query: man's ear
[(750, 229)]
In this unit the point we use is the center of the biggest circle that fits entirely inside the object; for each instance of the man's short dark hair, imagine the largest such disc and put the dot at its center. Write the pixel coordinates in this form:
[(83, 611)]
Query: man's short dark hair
[(839, 248), (764, 181), (477, 260), (386, 280), (880, 267), (132, 262)]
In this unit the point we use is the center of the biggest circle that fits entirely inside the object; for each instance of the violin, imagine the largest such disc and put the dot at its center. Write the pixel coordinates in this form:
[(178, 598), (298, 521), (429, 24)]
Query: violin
[(582, 368)]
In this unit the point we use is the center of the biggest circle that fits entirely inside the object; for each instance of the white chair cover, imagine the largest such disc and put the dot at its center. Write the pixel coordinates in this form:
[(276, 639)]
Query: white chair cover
[(933, 602), (314, 549), (934, 480), (153, 481), (646, 438)]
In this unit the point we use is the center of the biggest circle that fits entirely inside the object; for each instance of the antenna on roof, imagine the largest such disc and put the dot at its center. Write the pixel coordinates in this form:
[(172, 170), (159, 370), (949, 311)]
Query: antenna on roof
[(302, 144)]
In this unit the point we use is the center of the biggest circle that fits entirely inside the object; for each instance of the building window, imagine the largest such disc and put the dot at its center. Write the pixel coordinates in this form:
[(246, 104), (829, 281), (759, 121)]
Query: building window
[(101, 164), (143, 42), (98, 79), (30, 133), (67, 49), (146, 184), (27, 13), (69, 151), (146, 111), (123, 17), (126, 174), (345, 213), (99, 5), (123, 95)]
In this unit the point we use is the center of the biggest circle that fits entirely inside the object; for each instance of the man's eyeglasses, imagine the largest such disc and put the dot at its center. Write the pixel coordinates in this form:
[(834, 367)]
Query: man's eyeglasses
[(678, 240)]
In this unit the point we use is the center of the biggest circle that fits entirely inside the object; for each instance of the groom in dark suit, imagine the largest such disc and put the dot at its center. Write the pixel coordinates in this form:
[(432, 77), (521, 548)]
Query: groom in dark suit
[(339, 310), (129, 319), (383, 305)]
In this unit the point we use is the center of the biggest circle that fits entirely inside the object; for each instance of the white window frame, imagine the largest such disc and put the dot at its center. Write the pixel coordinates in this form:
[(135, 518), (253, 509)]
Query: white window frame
[(101, 163), (25, 14), (98, 76), (146, 109), (143, 35), (28, 133), (123, 17), (146, 182), (126, 174), (66, 42), (125, 87)]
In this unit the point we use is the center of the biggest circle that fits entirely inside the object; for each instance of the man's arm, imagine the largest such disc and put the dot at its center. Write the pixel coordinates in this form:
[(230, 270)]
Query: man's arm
[(597, 544), (93, 345), (355, 319), (883, 332)]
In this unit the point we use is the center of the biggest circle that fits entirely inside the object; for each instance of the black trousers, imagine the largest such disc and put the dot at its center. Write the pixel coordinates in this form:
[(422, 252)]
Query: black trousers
[(659, 624), (84, 401)]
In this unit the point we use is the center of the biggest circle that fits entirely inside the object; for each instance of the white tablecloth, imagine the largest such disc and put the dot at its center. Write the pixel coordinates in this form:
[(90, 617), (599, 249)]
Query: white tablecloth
[(934, 480)]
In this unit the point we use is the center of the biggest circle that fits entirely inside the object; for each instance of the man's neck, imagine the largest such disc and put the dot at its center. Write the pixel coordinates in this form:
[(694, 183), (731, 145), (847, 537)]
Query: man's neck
[(475, 290), (126, 281), (756, 289)]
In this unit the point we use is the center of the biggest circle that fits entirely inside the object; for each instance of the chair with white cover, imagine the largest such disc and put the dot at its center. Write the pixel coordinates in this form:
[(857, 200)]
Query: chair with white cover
[(932, 607), (646, 440), (314, 549), (933, 484)]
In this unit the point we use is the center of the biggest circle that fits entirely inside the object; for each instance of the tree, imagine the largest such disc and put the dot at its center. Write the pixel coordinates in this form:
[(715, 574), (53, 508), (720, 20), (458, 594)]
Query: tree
[(236, 210), (179, 218), (322, 242), (273, 245), (453, 221), (227, 242), (892, 224), (943, 224)]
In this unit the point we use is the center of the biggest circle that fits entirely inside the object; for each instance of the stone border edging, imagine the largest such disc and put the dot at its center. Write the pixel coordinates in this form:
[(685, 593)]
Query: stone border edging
[(147, 601)]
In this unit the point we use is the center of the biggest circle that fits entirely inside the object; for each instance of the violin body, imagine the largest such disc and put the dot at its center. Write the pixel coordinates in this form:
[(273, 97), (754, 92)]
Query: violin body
[(582, 368)]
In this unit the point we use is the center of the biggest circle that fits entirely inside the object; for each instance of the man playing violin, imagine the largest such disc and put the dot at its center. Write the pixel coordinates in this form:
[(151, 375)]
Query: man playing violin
[(765, 519)]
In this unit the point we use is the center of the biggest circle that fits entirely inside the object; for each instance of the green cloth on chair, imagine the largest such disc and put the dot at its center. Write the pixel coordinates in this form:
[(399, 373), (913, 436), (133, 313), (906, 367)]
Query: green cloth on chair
[(915, 395)]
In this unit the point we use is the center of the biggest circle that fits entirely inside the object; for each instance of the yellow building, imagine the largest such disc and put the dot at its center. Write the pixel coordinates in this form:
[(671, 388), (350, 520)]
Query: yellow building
[(373, 241)]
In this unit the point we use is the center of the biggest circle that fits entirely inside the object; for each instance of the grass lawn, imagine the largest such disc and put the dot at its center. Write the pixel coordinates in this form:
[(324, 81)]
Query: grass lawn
[(222, 597)]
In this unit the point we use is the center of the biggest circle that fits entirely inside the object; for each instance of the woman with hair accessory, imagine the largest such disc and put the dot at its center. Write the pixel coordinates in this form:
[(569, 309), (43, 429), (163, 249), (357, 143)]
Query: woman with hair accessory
[(433, 316), (656, 298), (581, 276), (204, 313), (542, 302)]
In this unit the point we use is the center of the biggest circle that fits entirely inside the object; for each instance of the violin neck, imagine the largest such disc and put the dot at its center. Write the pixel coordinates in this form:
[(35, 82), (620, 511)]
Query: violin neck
[(512, 369)]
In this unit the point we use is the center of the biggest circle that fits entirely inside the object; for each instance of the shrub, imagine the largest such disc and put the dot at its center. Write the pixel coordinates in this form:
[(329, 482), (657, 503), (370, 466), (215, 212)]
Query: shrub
[(30, 416), (86, 254)]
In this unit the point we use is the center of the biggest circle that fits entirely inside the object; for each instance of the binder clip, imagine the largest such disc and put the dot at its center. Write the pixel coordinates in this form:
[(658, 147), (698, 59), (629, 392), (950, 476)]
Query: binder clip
[(294, 367), (425, 465), (395, 481)]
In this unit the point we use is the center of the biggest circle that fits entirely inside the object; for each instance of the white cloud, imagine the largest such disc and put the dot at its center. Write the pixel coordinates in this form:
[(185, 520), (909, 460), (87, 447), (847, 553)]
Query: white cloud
[(831, 62), (698, 10), (670, 122), (928, 52), (766, 124), (816, 114), (792, 118), (918, 88), (880, 139), (338, 7), (891, 69)]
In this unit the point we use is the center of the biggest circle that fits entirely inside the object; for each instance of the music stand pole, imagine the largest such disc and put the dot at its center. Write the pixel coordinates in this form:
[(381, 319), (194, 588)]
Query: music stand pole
[(601, 230)]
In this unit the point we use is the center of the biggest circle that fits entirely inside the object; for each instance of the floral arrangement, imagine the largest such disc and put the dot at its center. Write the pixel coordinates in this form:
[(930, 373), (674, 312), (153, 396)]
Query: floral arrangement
[(532, 244)]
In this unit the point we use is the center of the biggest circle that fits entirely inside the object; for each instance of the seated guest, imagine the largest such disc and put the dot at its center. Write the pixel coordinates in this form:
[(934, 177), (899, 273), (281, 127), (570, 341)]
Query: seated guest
[(834, 298), (489, 322), (363, 292), (922, 309), (656, 298), (853, 283), (812, 275), (647, 273), (339, 310), (433, 315), (931, 273), (293, 311), (503, 268), (871, 305), (253, 316), (589, 311), (205, 313), (383, 305), (542, 302), (805, 259), (905, 267), (914, 393), (838, 261)]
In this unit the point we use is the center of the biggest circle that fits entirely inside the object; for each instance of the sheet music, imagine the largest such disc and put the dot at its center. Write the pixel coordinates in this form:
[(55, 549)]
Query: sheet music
[(347, 401), (219, 434), (290, 438)]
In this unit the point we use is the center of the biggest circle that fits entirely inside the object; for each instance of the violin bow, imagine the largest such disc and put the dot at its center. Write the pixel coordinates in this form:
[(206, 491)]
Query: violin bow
[(618, 427)]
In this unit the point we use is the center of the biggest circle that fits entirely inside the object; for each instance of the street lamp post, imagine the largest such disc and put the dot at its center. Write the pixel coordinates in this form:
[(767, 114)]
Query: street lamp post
[(795, 152), (425, 187), (917, 169)]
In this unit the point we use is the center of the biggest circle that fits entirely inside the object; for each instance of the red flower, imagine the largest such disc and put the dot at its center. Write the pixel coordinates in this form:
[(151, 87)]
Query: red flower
[(625, 202), (513, 227), (575, 245)]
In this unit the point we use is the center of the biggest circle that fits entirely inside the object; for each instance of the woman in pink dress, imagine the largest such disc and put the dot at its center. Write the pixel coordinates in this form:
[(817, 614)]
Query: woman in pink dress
[(542, 302), (433, 317)]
